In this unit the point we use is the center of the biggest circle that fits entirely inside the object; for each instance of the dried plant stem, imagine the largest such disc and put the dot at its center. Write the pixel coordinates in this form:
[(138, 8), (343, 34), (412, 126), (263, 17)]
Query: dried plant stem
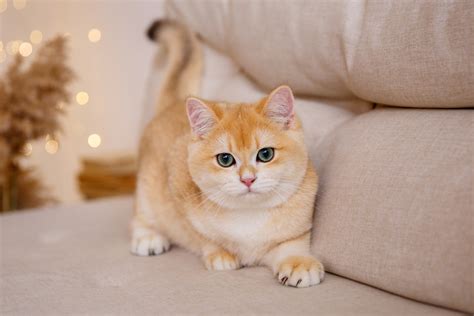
[(29, 109)]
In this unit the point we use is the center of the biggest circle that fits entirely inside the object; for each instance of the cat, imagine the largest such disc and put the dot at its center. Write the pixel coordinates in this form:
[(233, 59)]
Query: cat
[(231, 183)]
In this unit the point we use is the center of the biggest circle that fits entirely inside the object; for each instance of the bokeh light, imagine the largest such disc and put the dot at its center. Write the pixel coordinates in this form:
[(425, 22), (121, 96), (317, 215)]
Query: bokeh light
[(82, 98), (25, 49), (3, 5), (13, 46), (27, 149), (19, 4), (94, 35), (94, 140), (51, 146), (36, 37)]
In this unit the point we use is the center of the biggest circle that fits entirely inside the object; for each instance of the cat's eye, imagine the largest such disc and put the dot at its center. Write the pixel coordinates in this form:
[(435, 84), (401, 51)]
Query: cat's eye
[(265, 154), (225, 160)]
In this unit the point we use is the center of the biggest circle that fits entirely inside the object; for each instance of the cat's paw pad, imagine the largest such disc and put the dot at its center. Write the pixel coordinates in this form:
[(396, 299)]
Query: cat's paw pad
[(221, 260), (299, 271), (149, 245)]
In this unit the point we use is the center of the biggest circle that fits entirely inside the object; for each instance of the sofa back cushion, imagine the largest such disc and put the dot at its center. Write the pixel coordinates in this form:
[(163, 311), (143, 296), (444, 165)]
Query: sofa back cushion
[(403, 53), (395, 208)]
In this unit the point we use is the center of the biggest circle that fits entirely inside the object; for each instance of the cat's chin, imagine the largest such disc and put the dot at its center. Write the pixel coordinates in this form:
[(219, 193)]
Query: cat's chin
[(250, 195), (251, 200)]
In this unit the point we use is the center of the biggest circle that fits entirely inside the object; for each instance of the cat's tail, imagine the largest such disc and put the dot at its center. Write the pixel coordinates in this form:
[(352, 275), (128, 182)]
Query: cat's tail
[(182, 74)]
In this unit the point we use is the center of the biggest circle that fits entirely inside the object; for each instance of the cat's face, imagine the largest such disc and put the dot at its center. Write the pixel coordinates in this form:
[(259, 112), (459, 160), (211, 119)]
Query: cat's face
[(247, 155)]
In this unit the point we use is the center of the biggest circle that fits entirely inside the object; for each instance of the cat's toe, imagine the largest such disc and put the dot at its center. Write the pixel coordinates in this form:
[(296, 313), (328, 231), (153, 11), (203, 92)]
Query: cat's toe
[(149, 245), (300, 272), (221, 260)]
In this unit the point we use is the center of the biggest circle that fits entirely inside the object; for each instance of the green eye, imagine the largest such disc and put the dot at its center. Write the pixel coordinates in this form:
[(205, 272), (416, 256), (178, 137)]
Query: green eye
[(265, 154), (225, 160)]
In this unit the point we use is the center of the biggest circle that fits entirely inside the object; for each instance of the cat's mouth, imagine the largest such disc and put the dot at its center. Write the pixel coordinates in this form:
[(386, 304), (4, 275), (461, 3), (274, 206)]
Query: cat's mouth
[(250, 193)]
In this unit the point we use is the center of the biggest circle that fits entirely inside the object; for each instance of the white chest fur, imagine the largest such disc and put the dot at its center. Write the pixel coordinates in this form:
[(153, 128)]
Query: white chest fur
[(243, 227)]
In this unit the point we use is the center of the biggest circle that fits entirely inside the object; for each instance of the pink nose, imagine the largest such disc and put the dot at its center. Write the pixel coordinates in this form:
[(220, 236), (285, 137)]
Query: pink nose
[(247, 181)]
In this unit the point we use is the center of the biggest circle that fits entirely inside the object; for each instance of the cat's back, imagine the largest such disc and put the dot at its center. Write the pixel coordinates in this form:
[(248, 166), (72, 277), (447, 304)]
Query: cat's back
[(163, 130)]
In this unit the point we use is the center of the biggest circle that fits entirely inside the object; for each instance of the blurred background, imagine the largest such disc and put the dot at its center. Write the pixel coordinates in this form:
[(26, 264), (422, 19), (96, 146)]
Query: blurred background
[(91, 155)]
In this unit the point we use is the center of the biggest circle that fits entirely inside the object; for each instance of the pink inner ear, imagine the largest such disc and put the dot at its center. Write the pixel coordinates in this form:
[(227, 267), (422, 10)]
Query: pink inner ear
[(280, 107), (200, 116), (193, 109)]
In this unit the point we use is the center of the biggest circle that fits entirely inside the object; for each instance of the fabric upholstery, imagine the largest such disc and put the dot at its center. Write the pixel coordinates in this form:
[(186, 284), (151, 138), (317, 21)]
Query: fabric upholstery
[(75, 260), (402, 53), (395, 208)]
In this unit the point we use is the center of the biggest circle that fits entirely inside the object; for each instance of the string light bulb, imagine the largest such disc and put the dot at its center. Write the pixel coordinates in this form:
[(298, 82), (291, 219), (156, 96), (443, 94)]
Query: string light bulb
[(36, 37), (19, 4), (25, 49), (94, 35), (27, 149), (13, 46), (82, 98), (51, 146), (94, 140), (3, 5)]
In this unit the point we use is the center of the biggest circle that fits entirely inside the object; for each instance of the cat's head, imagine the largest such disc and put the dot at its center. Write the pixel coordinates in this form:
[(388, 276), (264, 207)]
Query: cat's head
[(247, 155)]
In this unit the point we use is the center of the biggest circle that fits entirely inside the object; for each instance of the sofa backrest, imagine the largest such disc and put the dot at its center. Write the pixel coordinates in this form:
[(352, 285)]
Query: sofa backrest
[(402, 53)]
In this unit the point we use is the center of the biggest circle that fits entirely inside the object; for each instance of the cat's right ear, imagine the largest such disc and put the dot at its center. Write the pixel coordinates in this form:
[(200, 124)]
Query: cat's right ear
[(201, 117)]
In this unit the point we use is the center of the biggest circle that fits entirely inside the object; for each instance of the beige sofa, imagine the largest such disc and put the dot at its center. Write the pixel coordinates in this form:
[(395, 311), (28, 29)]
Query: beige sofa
[(387, 90)]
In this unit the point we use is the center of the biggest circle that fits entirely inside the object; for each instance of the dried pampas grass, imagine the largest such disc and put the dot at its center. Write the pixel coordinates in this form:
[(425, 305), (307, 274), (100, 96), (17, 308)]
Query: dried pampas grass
[(30, 98)]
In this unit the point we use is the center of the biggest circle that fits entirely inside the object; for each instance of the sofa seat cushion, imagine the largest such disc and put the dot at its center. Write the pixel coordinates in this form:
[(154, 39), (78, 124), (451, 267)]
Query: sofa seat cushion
[(395, 208), (76, 260)]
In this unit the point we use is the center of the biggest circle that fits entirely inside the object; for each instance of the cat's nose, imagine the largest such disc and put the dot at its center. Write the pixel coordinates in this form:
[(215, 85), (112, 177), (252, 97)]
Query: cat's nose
[(248, 181)]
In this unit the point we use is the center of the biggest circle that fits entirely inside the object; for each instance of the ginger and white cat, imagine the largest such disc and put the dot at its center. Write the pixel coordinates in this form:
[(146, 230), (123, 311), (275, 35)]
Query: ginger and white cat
[(229, 182)]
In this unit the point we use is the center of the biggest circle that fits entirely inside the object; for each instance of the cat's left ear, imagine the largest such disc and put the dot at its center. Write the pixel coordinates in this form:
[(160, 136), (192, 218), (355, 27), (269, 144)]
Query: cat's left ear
[(280, 107)]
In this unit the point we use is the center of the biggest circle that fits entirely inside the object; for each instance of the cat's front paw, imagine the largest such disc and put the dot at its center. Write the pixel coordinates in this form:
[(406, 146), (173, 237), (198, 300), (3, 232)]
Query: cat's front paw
[(300, 271), (221, 260), (149, 245)]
